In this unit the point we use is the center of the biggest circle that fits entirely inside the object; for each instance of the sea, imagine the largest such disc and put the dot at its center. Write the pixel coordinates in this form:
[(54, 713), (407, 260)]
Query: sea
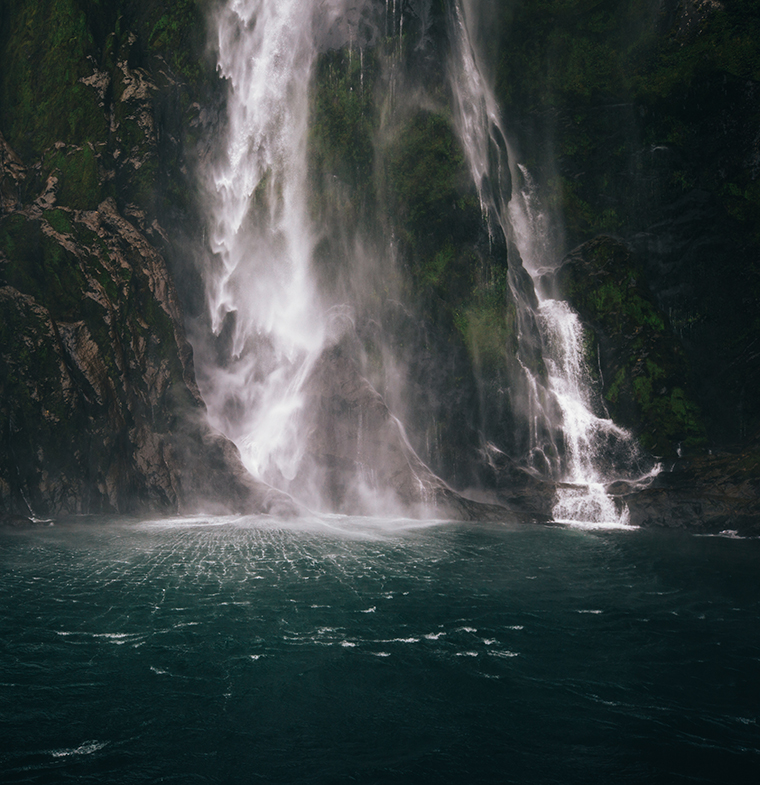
[(333, 649)]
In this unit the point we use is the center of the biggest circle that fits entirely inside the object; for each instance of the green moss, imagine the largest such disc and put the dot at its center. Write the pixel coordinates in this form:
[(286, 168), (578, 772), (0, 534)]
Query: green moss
[(177, 29), (78, 178), (488, 328), (59, 220), (344, 118), (45, 104), (644, 368), (37, 265), (425, 172)]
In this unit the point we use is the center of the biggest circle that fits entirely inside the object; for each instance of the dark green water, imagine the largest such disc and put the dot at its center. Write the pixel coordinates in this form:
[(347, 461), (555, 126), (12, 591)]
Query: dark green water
[(338, 651)]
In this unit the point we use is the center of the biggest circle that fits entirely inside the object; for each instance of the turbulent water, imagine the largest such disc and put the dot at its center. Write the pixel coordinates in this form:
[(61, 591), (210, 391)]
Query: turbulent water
[(343, 650)]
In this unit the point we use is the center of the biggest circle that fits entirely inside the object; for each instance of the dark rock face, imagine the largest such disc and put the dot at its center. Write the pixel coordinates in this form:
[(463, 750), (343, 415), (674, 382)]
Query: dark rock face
[(99, 410), (710, 493), (358, 456), (640, 119)]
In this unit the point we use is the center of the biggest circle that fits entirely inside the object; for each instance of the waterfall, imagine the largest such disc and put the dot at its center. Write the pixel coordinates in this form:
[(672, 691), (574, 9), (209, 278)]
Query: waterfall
[(270, 326), (594, 451), (264, 306)]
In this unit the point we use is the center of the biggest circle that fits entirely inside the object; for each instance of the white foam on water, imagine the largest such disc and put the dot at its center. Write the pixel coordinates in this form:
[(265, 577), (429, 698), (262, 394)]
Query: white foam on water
[(87, 748)]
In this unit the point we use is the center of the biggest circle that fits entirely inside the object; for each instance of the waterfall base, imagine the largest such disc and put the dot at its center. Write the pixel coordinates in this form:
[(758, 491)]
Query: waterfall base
[(358, 459)]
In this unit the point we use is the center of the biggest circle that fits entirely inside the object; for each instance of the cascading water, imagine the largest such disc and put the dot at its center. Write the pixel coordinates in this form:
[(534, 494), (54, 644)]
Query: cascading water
[(595, 451), (278, 355), (261, 295), (271, 322)]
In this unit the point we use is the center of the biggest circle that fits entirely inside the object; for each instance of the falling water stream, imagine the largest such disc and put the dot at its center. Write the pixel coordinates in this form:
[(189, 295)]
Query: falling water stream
[(260, 291), (594, 451), (265, 307)]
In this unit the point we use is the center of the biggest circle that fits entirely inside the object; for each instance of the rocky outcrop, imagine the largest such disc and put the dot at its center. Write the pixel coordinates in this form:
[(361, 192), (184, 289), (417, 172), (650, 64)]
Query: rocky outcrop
[(709, 493), (358, 458), (99, 409)]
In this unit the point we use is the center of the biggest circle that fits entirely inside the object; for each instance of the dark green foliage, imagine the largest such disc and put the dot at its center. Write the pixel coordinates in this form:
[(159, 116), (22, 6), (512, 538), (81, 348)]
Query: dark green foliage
[(344, 117), (46, 103), (178, 30), (79, 184), (425, 170), (37, 265), (645, 373), (434, 205), (458, 276), (583, 77), (640, 117)]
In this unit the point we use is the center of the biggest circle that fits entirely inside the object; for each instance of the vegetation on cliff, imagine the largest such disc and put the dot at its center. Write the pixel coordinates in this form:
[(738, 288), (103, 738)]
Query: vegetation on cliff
[(638, 119)]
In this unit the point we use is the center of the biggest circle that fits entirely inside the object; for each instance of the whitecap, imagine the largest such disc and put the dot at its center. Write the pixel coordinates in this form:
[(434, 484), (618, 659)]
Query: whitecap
[(86, 748)]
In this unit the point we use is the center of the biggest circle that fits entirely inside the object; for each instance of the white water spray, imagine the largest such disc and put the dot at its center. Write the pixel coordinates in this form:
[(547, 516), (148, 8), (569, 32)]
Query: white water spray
[(260, 290)]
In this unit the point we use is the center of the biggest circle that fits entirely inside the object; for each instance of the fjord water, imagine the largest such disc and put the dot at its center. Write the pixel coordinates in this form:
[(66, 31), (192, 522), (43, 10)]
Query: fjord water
[(338, 650)]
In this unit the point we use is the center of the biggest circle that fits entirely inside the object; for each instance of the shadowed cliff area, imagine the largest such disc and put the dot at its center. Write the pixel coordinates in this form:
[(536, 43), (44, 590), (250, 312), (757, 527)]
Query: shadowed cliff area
[(638, 121)]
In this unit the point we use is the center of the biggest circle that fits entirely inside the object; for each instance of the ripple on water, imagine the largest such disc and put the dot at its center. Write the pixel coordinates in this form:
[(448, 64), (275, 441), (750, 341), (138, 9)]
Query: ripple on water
[(259, 653)]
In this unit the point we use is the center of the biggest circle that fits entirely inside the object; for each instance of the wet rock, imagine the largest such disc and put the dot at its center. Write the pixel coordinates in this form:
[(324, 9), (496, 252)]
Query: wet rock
[(707, 494), (358, 456), (99, 408), (14, 521), (517, 488)]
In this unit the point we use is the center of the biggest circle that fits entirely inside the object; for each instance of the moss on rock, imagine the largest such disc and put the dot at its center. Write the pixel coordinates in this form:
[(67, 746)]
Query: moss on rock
[(646, 378)]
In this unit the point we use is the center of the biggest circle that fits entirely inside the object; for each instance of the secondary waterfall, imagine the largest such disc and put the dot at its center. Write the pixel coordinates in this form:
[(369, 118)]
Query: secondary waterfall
[(592, 451)]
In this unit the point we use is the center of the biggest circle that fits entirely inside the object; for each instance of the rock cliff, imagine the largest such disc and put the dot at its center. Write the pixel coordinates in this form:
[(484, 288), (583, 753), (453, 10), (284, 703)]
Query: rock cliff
[(99, 409), (638, 120)]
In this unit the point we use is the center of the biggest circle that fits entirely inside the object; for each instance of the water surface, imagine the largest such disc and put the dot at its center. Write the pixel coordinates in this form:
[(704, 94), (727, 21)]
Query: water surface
[(345, 650)]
